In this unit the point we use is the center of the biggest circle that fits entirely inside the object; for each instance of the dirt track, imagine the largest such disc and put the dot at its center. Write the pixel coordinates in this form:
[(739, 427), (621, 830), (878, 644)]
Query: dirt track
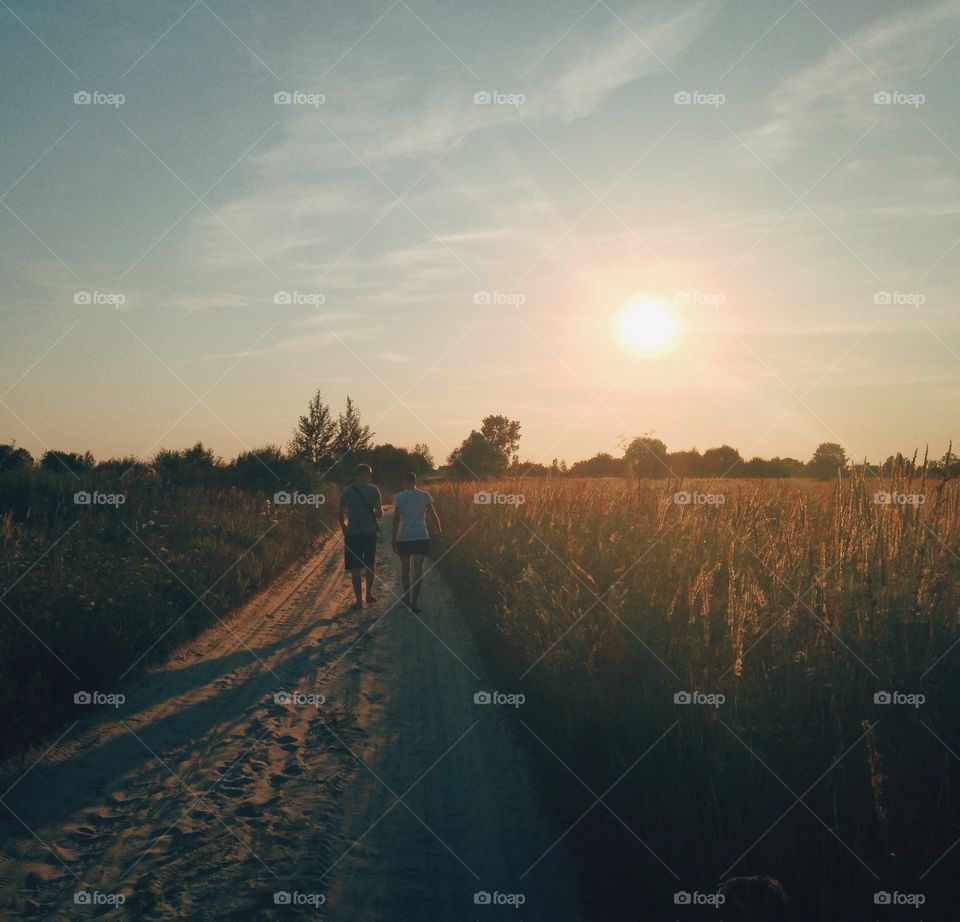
[(201, 797)]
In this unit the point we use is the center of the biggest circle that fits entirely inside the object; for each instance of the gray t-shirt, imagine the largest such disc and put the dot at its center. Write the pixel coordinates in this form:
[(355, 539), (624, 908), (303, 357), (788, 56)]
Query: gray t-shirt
[(361, 500)]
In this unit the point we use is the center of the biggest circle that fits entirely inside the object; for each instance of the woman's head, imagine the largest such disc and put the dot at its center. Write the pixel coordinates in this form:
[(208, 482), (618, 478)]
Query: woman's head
[(409, 480)]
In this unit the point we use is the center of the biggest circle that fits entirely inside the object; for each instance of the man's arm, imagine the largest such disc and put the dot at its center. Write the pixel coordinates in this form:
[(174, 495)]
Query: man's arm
[(378, 508), (396, 523), (342, 515), (435, 519)]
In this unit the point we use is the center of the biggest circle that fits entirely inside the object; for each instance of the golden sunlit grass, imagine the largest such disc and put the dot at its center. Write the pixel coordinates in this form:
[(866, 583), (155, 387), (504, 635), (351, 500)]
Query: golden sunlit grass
[(798, 601)]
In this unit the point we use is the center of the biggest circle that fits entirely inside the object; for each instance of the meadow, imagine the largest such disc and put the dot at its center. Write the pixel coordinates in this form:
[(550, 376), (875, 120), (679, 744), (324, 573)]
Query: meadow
[(743, 688), (104, 573)]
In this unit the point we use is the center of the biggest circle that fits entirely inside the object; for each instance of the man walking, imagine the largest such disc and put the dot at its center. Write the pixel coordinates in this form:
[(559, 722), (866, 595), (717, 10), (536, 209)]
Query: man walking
[(360, 510), (411, 540)]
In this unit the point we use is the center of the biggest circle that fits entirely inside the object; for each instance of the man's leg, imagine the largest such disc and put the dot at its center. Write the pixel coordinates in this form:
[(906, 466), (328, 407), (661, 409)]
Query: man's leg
[(417, 578), (370, 595), (355, 579), (405, 577)]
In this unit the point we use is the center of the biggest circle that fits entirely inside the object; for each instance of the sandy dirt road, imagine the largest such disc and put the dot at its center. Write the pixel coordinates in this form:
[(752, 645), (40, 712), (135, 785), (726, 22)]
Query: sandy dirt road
[(202, 797)]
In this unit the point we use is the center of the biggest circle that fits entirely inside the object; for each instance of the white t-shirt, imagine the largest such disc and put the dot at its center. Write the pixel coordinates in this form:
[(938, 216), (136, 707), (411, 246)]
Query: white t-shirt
[(411, 507)]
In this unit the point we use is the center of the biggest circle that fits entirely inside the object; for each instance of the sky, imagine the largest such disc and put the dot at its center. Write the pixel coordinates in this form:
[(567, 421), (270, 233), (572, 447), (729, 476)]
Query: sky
[(447, 206)]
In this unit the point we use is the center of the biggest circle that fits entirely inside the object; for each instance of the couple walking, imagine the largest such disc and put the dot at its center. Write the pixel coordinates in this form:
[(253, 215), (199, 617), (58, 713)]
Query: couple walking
[(360, 512)]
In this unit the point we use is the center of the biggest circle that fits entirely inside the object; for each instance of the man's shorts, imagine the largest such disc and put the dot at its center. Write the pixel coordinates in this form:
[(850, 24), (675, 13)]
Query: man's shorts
[(359, 551), (405, 548)]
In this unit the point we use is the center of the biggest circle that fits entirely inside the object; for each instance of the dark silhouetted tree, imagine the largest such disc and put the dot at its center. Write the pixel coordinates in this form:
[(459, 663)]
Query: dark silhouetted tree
[(313, 439)]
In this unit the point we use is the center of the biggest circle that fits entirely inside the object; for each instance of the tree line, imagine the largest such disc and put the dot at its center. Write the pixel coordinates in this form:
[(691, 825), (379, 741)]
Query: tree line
[(327, 446)]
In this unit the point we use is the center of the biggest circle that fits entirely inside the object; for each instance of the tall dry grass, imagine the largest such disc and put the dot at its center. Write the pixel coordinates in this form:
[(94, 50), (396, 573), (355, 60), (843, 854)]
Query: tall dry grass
[(796, 600)]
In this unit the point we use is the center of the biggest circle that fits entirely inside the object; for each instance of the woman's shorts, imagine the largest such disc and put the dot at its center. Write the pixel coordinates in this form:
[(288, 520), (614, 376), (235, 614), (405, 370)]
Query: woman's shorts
[(406, 548)]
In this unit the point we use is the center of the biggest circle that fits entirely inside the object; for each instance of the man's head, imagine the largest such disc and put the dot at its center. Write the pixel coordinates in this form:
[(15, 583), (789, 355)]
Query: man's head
[(363, 473), (409, 480)]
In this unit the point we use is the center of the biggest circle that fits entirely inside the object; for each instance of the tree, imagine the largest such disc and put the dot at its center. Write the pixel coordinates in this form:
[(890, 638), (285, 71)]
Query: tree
[(721, 462), (685, 463), (647, 457), (352, 436), (313, 439), (489, 452), (504, 435), (422, 449), (71, 461), (14, 459), (600, 465), (476, 457), (188, 467), (827, 460)]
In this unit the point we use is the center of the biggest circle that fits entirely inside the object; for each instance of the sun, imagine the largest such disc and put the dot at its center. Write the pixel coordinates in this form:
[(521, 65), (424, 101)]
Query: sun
[(645, 325)]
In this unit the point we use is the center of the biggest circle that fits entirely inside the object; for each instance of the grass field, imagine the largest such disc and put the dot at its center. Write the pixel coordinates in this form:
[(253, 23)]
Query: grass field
[(805, 605), (95, 591)]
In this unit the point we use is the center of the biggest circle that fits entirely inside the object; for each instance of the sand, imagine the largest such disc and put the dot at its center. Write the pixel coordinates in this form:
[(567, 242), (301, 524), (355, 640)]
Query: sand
[(203, 797)]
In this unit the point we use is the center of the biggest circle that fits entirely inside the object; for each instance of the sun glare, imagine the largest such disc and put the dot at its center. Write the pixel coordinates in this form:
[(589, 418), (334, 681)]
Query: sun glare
[(645, 325)]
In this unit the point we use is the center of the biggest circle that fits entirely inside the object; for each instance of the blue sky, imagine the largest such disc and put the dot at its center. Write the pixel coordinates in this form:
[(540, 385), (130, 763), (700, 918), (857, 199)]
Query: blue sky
[(771, 213)]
